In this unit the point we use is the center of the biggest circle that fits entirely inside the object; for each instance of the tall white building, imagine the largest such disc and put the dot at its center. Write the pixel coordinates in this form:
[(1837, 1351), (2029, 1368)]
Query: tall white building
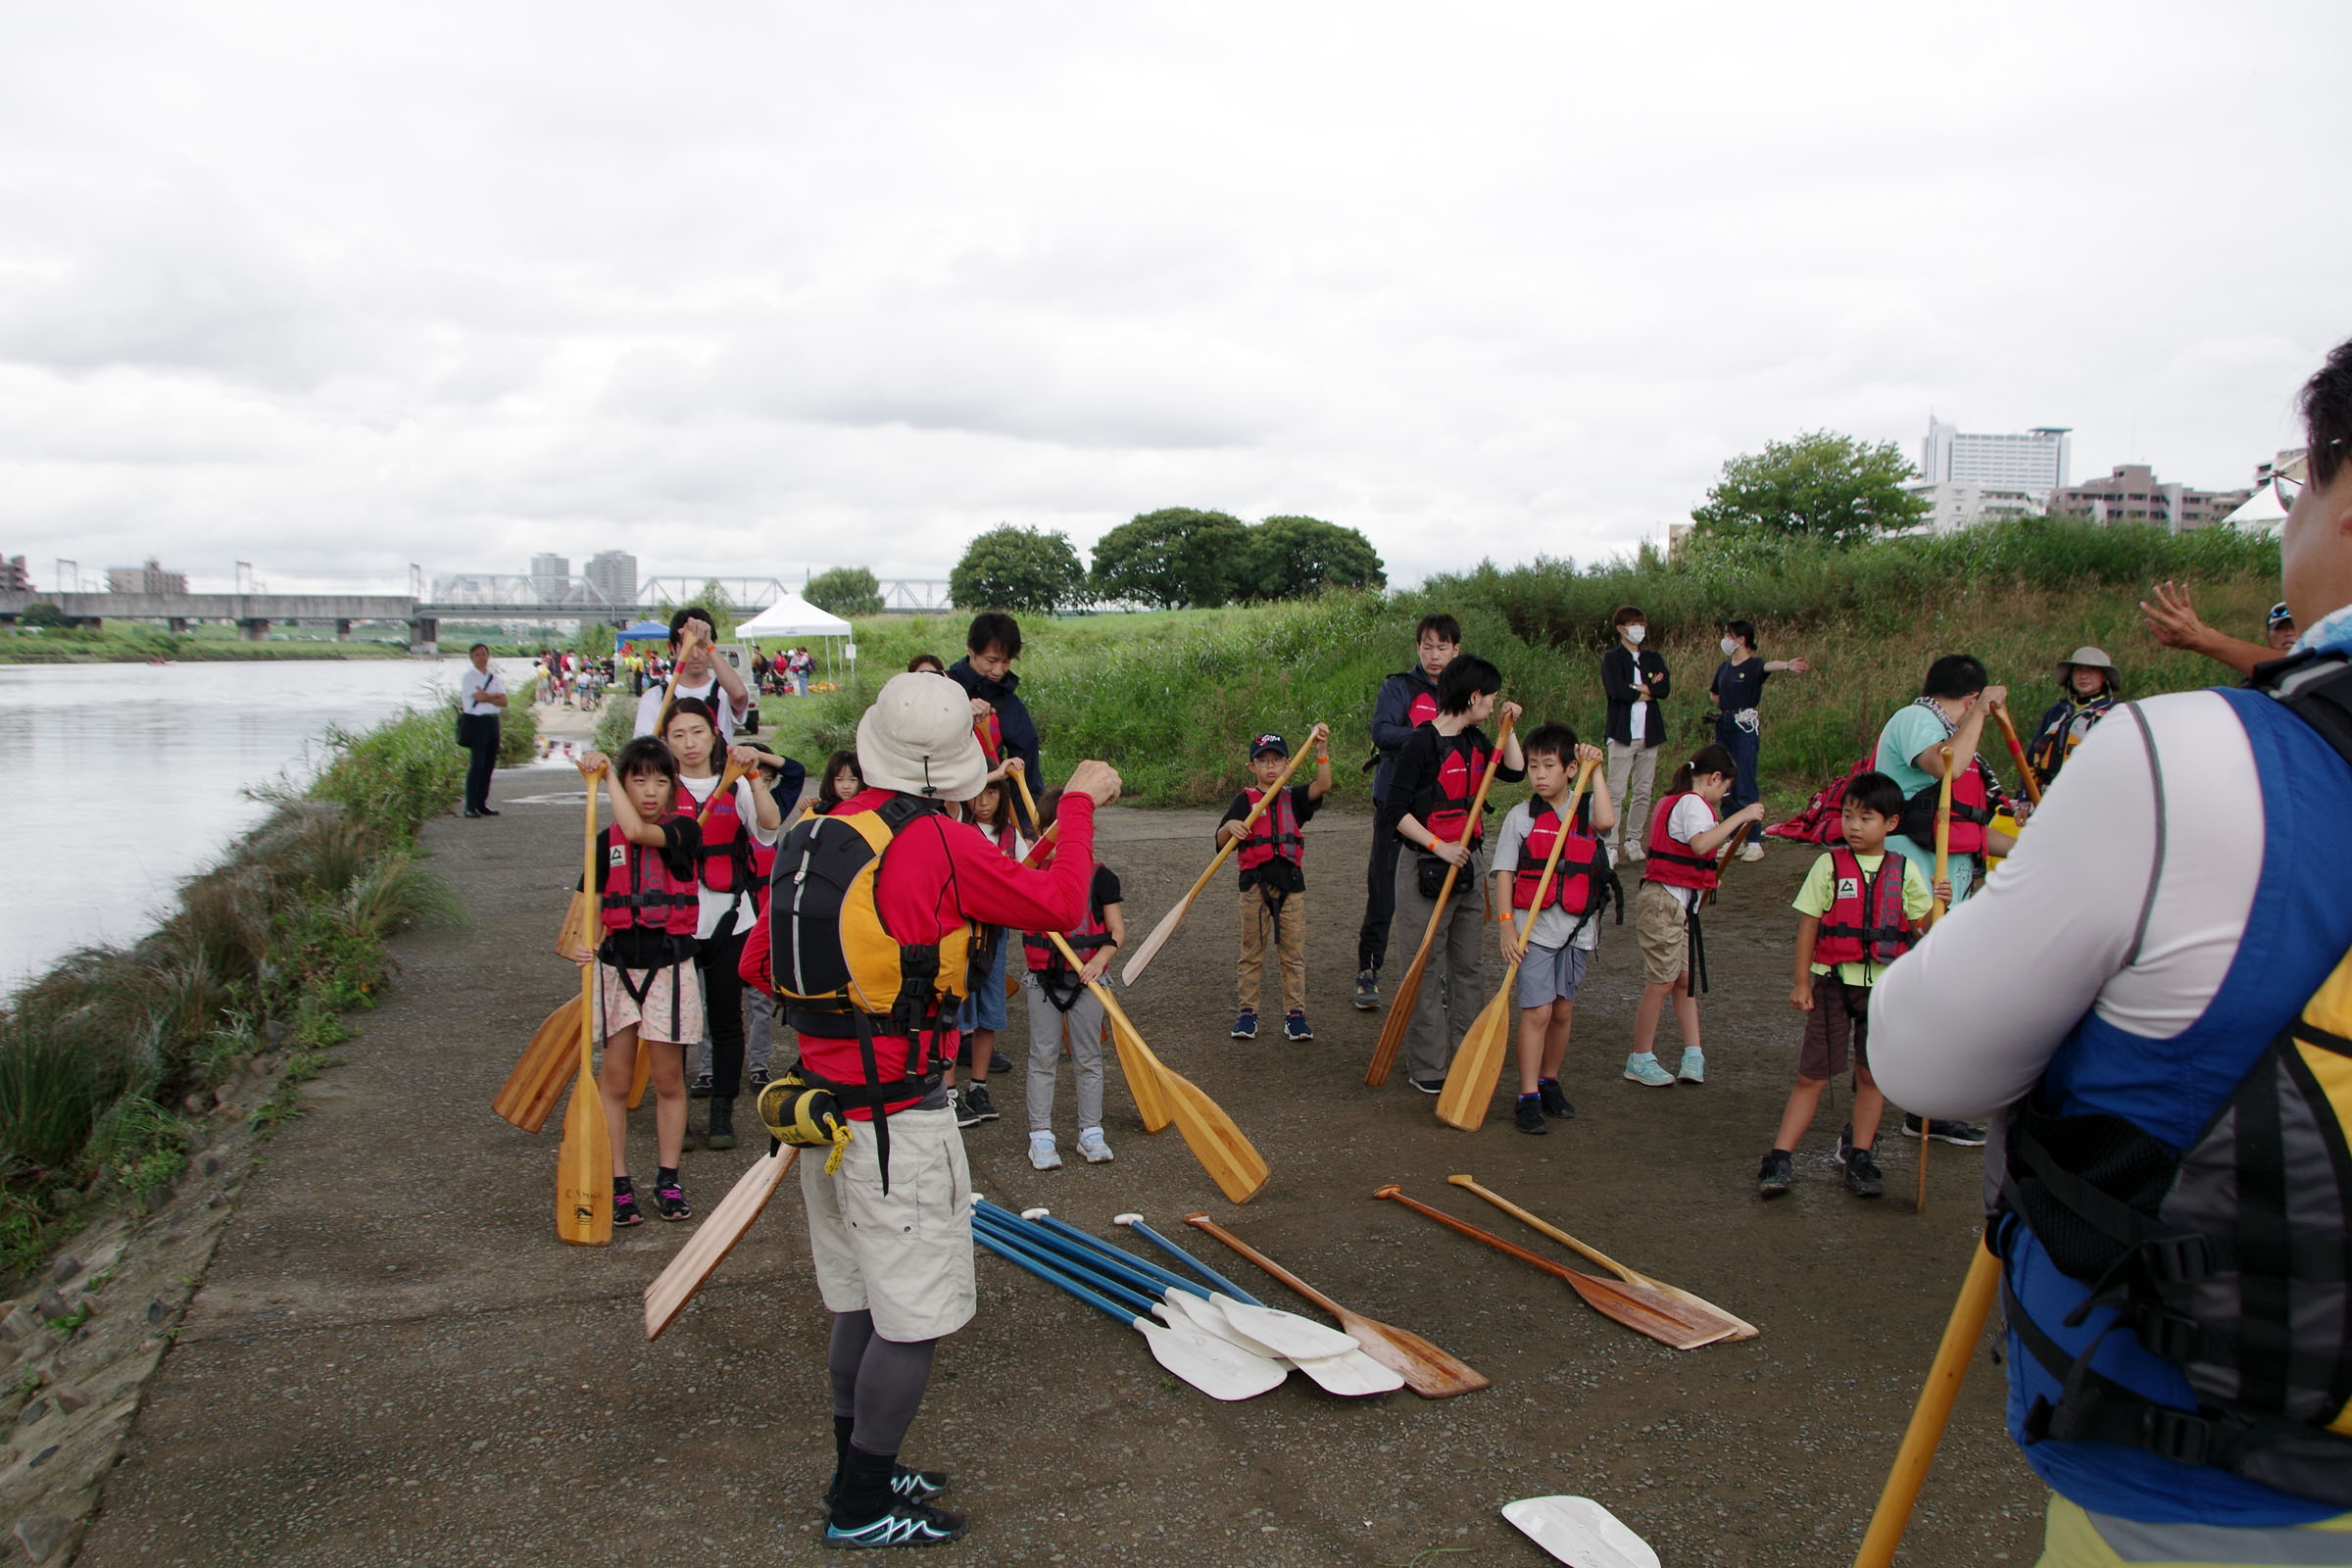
[(2036, 461), (613, 576), (550, 577)]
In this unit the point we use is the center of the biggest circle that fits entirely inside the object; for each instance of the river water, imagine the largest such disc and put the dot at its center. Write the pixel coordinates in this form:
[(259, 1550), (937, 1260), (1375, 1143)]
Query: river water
[(124, 779)]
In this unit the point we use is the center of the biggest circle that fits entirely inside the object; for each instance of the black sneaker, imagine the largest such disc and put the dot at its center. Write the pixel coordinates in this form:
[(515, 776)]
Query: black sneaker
[(1553, 1099), (1965, 1135), (1529, 1116), (720, 1133), (669, 1199), (699, 1089), (1367, 989), (961, 1104), (1428, 1086), (1778, 1171), (906, 1485), (1245, 1027), (624, 1204), (977, 1102), (1862, 1176), (906, 1524), (999, 1063), (756, 1081)]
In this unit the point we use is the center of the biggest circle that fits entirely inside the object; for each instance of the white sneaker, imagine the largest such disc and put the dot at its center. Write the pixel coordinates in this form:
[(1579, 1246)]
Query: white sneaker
[(1754, 851), (1693, 1069), (1041, 1152), (1092, 1145)]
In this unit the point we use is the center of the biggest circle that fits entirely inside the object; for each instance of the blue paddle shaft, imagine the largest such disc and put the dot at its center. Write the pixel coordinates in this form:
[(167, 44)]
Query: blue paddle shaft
[(1194, 1264), (1021, 1259), (1130, 1271), (1096, 1245), (1084, 1265)]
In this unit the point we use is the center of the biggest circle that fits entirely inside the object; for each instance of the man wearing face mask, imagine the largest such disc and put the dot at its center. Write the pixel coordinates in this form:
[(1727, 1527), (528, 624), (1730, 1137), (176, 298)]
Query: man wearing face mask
[(1634, 679)]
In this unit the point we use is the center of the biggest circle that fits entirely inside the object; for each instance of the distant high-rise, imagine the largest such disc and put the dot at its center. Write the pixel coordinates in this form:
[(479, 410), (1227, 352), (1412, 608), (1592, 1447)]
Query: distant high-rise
[(550, 577), (151, 578), (2036, 461), (2134, 494), (13, 576), (611, 577)]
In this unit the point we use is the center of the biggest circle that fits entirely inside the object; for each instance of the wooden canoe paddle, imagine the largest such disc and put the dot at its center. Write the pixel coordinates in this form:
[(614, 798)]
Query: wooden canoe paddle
[(1408, 989), (584, 1162), (1697, 1303), (713, 1239), (1944, 869), (2025, 769), (1427, 1370), (1958, 1348), (1643, 1308), (1470, 1082), (537, 1082), (1217, 1142), (1169, 922)]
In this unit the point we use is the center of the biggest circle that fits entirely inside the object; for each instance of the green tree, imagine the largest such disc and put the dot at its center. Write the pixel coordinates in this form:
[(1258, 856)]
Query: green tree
[(847, 591), (713, 598), (41, 615), (1178, 557), (1823, 486), (595, 640), (1018, 569), (1297, 558)]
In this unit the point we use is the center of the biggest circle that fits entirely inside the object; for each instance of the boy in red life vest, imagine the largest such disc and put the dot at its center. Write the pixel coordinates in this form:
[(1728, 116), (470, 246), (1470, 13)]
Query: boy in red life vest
[(1436, 775), (1272, 859), (1860, 910), (1561, 938), (1684, 842), (647, 993), (1062, 1002)]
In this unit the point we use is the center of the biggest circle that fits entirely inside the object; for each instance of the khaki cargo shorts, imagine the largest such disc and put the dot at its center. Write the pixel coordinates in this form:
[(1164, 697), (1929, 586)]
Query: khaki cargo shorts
[(1664, 929), (905, 1257)]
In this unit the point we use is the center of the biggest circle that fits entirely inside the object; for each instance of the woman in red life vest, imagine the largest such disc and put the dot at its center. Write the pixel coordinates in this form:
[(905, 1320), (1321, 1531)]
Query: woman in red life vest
[(1436, 775), (648, 994), (1273, 869), (1684, 842), (733, 824)]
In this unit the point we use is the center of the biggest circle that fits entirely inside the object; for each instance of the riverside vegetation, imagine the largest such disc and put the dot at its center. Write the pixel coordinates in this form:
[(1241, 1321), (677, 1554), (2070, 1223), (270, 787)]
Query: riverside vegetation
[(106, 1061)]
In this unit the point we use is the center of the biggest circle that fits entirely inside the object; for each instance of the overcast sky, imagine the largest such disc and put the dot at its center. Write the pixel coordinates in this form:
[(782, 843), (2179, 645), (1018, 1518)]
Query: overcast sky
[(762, 288)]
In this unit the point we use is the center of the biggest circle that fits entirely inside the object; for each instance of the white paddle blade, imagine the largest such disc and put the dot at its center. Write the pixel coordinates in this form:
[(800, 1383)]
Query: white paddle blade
[(1581, 1532), (1219, 1370), (1284, 1334), (1353, 1373), (1185, 1308)]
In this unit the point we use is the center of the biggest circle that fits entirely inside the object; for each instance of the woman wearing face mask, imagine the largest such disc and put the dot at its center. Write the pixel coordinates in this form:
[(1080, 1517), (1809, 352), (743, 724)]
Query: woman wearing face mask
[(1738, 687), (1634, 679)]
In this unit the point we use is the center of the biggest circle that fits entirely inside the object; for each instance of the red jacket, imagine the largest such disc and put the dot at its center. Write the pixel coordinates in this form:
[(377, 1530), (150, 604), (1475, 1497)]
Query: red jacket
[(920, 901)]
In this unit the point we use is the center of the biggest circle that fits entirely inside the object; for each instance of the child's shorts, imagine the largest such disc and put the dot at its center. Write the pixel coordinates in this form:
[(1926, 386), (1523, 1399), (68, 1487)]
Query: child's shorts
[(984, 1009), (665, 1004), (1552, 974), (1830, 1025), (1664, 928)]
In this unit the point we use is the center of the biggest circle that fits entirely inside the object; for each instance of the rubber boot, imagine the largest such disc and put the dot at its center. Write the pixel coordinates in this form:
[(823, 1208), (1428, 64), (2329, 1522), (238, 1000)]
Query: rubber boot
[(720, 1132)]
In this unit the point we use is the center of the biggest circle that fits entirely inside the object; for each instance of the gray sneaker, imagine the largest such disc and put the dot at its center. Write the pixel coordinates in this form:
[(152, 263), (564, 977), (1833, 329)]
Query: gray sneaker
[(1862, 1175), (1367, 989)]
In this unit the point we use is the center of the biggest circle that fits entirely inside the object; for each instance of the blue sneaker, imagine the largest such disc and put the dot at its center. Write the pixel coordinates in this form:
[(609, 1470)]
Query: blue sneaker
[(1294, 1027), (906, 1524), (1246, 1026), (1642, 1068)]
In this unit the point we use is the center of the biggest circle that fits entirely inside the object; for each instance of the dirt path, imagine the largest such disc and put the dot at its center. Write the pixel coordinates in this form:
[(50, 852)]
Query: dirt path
[(392, 1359)]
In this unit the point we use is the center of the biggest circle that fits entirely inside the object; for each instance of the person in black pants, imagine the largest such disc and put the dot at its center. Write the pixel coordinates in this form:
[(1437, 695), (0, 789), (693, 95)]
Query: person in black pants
[(480, 696), (1407, 700)]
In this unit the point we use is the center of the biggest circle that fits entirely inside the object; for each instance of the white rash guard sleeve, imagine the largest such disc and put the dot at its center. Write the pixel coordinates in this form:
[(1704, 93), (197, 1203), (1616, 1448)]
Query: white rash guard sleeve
[(1966, 1022)]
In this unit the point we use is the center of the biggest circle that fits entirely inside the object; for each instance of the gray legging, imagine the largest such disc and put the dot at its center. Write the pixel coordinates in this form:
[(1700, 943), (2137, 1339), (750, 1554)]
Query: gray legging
[(878, 1383), (1458, 955), (1046, 1021)]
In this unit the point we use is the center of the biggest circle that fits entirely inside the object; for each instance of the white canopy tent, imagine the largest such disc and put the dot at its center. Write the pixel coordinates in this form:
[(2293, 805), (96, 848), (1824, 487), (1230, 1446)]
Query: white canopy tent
[(2261, 512), (795, 616)]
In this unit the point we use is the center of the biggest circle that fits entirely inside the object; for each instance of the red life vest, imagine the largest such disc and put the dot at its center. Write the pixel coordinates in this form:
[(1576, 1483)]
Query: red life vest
[(1970, 813), (1459, 772), (640, 894), (1274, 836), (1044, 958), (991, 736), (1673, 863), (1865, 922), (725, 861), (1580, 861), (1423, 708)]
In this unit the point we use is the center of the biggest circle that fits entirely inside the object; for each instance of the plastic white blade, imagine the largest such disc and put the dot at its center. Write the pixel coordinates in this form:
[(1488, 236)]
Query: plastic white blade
[(1284, 1333), (1219, 1370), (1580, 1531), (1353, 1373), (1185, 1308)]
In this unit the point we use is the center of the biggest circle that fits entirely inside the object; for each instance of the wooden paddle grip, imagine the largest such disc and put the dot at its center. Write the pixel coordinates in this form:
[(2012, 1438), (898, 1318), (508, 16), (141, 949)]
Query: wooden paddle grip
[(1253, 1255)]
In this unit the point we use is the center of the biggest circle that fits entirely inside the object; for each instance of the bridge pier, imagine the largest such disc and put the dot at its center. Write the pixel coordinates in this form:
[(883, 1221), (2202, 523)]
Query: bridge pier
[(176, 625), (342, 631), (256, 630), (424, 635)]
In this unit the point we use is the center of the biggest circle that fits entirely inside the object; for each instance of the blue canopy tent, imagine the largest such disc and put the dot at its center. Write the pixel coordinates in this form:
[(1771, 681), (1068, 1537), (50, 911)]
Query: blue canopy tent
[(643, 631)]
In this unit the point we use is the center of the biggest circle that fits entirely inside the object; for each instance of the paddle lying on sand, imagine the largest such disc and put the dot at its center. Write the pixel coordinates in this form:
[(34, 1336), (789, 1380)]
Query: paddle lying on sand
[(1580, 1531), (1146, 1079), (1217, 1369), (537, 1082), (1697, 1303), (1430, 1372), (1408, 989), (584, 1162), (1470, 1082), (1639, 1308), (2025, 769), (1934, 1408), (713, 1239), (1169, 922)]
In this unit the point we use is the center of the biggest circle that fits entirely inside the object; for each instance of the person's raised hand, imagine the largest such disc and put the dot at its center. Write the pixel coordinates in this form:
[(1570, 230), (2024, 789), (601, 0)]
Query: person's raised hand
[(1801, 666), (1994, 695), (592, 762), (981, 710), (1508, 711), (2171, 619), (1586, 752), (1096, 780), (1321, 735)]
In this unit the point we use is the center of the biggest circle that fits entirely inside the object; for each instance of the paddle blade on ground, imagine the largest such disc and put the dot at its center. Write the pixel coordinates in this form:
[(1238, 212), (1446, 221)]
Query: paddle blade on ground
[(1581, 1532), (714, 1239), (546, 1063)]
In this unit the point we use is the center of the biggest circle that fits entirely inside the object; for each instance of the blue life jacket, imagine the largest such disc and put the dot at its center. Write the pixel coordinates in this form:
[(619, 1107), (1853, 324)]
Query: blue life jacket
[(2297, 931)]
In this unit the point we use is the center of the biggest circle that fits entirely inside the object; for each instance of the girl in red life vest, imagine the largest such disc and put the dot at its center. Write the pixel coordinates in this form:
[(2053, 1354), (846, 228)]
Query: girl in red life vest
[(647, 990), (841, 781), (1557, 946), (1684, 842), (982, 1014), (1436, 778), (1273, 868), (747, 814)]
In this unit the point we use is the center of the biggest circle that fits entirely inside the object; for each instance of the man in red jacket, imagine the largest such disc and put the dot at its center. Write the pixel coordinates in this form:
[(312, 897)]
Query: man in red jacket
[(890, 1227)]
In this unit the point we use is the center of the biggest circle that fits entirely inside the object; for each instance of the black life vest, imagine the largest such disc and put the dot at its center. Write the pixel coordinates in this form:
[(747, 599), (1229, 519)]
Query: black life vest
[(1865, 922)]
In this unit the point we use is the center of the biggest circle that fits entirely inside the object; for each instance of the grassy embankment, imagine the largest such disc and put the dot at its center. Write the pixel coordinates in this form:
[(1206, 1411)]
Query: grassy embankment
[(130, 643), (1172, 699), (109, 1062)]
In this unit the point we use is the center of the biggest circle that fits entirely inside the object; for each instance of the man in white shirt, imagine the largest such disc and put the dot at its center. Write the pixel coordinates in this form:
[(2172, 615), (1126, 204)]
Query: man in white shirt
[(480, 696), (696, 671)]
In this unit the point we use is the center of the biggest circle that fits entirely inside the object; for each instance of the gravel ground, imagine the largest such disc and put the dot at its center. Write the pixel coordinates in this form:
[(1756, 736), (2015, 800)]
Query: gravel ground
[(392, 1359)]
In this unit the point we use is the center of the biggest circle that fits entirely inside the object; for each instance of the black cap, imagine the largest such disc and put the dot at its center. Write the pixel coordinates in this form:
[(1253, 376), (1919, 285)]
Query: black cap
[(1268, 743)]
